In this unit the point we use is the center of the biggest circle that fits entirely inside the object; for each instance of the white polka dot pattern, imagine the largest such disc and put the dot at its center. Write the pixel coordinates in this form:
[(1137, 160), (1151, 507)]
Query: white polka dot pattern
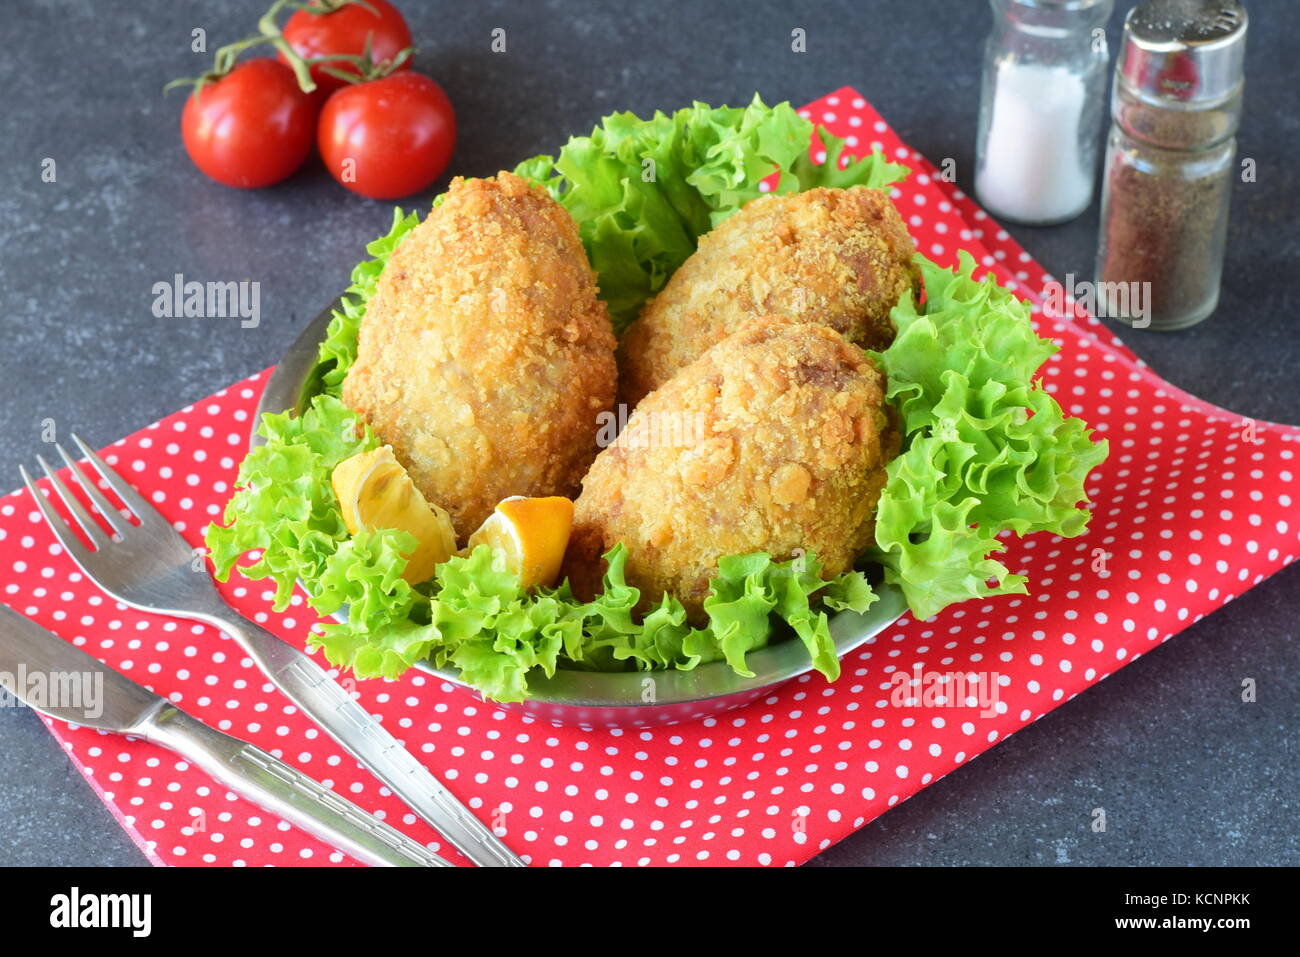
[(1194, 506)]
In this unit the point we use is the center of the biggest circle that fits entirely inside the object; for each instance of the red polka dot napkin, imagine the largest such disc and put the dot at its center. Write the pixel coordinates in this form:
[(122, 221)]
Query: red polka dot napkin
[(1194, 506)]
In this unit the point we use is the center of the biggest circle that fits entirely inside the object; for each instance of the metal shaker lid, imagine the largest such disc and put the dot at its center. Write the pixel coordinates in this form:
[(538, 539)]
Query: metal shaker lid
[(1186, 51)]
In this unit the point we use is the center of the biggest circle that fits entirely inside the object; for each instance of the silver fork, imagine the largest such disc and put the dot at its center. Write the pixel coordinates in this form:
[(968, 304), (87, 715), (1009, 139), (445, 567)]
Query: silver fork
[(150, 567)]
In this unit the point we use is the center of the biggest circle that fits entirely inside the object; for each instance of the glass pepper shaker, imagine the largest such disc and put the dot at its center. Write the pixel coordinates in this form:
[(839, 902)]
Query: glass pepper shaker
[(1175, 108), (1041, 107)]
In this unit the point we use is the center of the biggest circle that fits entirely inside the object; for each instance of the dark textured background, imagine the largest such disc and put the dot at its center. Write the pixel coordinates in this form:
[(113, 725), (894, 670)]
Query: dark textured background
[(1187, 773)]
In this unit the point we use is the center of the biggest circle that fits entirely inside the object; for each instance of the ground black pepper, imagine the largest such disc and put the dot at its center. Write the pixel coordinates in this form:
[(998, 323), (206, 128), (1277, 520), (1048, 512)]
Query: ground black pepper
[(1169, 161), (1164, 230)]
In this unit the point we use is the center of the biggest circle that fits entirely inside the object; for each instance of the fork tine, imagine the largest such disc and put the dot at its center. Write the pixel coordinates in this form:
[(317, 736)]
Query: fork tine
[(71, 544), (106, 509), (75, 508), (120, 486)]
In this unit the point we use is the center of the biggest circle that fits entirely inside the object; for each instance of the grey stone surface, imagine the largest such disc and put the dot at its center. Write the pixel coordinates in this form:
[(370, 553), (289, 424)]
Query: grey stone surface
[(1187, 773)]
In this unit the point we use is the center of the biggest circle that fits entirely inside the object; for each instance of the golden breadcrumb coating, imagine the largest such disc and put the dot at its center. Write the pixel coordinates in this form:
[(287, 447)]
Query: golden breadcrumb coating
[(836, 257), (774, 440), (485, 358)]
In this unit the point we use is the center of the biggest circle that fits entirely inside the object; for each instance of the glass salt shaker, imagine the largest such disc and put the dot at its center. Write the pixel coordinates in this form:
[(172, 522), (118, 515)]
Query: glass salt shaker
[(1175, 108), (1041, 107)]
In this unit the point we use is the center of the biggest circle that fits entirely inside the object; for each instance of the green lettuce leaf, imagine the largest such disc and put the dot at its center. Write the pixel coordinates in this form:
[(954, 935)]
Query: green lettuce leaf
[(643, 191), (477, 618), (986, 449), (283, 505), (474, 615)]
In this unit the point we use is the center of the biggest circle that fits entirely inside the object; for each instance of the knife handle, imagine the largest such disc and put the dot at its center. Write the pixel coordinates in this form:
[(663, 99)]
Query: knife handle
[(286, 792), (310, 687)]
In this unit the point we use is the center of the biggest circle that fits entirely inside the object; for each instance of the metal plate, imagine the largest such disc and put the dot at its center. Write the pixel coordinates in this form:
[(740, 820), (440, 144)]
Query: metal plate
[(601, 699)]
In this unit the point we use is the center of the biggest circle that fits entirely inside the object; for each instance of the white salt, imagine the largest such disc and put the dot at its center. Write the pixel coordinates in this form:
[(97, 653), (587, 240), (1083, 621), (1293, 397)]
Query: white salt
[(1031, 169)]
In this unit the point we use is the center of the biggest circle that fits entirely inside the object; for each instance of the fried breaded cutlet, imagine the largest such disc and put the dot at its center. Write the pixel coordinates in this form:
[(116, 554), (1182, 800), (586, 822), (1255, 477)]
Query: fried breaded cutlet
[(836, 257), (775, 440), (485, 358)]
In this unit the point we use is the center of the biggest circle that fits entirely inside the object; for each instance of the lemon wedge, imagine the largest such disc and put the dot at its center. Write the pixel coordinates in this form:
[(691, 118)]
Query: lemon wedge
[(532, 533), (375, 491)]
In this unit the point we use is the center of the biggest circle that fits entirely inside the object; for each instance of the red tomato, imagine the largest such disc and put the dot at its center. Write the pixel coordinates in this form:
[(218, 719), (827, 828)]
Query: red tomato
[(387, 138), (250, 128), (345, 31)]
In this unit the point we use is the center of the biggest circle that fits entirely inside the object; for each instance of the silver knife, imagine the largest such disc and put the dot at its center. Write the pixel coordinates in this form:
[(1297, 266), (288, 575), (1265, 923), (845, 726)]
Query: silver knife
[(151, 567), (60, 680)]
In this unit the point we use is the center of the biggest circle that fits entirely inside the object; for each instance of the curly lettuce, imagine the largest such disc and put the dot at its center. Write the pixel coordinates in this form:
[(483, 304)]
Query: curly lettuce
[(986, 449), (474, 614), (283, 506), (643, 191)]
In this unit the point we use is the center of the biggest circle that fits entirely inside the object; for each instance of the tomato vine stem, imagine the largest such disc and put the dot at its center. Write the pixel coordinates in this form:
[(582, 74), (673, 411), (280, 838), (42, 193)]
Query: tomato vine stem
[(269, 32)]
